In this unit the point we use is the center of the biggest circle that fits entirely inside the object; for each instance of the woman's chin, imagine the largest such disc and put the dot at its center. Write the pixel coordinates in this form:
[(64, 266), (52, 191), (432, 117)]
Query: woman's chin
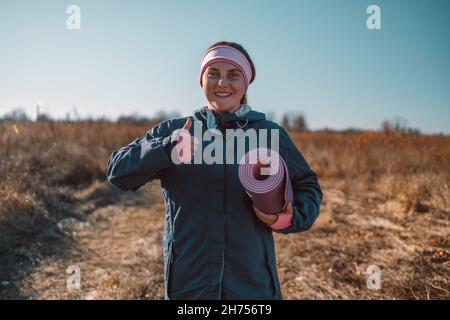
[(223, 107)]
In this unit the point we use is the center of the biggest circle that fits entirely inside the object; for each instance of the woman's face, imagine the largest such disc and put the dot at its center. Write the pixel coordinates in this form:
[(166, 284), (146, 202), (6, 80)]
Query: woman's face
[(224, 86)]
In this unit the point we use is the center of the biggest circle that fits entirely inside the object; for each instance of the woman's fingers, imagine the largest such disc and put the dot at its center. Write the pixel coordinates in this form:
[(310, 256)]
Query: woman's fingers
[(264, 217), (193, 149), (288, 208), (270, 219)]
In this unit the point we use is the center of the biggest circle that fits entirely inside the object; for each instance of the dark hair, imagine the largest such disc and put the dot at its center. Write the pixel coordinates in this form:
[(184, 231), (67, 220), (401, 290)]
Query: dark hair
[(245, 53)]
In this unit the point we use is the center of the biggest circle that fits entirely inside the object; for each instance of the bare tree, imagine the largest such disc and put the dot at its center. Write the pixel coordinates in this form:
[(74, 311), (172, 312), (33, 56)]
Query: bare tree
[(399, 125), (17, 114), (134, 117), (285, 123), (43, 117), (294, 120), (162, 115), (299, 123)]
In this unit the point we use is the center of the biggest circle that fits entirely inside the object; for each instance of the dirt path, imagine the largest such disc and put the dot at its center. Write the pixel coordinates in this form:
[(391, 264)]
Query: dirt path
[(118, 249)]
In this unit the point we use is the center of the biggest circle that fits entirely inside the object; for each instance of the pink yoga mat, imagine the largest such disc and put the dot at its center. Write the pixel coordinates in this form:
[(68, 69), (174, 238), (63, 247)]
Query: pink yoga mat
[(265, 177)]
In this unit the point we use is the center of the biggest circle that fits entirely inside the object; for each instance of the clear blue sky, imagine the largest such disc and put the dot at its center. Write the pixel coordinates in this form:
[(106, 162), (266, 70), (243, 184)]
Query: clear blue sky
[(314, 56)]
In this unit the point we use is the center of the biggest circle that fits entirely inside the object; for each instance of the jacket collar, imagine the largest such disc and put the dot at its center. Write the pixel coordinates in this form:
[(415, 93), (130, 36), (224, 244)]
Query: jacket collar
[(239, 118)]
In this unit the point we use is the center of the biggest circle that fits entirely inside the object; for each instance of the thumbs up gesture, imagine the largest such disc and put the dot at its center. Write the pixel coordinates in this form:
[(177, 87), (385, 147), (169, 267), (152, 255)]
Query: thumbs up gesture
[(187, 144)]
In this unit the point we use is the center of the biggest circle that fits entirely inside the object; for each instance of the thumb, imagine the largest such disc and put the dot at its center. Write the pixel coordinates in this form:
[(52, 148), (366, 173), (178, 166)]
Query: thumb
[(188, 124), (288, 208)]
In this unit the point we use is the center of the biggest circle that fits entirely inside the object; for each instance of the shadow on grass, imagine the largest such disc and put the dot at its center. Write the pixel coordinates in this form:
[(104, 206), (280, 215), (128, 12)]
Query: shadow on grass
[(28, 239)]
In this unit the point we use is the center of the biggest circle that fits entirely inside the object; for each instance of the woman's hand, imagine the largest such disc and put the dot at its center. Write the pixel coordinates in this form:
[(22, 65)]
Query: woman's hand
[(186, 144), (270, 219)]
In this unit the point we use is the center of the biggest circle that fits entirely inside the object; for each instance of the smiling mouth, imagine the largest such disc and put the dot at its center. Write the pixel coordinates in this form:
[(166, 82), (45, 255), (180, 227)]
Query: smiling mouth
[(222, 94)]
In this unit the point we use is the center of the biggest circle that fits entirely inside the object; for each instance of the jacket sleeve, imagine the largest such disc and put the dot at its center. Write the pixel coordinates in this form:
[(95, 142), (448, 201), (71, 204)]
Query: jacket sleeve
[(143, 160), (307, 195)]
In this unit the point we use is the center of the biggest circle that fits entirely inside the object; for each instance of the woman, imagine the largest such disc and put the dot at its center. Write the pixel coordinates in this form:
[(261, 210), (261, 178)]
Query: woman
[(216, 244)]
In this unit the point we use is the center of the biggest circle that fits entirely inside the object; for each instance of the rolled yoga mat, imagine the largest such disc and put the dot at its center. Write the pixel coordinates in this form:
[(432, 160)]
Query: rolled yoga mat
[(265, 177)]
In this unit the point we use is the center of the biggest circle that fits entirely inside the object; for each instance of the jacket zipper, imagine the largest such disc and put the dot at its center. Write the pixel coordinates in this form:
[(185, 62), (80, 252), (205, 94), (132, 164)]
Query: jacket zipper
[(225, 220)]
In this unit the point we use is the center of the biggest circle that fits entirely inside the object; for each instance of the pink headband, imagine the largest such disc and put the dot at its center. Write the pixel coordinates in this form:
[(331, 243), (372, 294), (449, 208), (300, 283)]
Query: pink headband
[(230, 55)]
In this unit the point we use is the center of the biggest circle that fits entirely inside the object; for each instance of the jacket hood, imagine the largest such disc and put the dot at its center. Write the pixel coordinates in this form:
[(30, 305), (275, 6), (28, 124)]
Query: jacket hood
[(226, 119)]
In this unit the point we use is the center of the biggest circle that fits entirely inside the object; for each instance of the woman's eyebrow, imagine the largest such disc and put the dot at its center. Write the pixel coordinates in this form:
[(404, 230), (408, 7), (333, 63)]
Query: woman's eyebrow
[(215, 69)]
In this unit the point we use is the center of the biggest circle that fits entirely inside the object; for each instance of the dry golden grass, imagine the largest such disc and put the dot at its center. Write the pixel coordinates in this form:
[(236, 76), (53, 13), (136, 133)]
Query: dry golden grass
[(387, 202), (412, 168)]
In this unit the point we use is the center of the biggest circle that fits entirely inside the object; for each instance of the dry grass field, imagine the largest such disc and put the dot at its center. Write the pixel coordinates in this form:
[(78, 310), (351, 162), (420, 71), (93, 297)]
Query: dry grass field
[(386, 203)]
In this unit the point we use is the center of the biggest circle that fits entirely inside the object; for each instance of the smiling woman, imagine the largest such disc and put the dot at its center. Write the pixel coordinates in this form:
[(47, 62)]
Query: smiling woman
[(216, 244), (226, 72), (223, 86)]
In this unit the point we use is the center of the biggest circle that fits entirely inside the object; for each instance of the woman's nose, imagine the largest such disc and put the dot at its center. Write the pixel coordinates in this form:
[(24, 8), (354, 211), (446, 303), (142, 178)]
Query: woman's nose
[(222, 80)]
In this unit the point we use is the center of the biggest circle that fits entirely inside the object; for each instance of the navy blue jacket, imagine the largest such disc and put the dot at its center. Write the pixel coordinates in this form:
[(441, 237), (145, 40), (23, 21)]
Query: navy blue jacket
[(215, 247)]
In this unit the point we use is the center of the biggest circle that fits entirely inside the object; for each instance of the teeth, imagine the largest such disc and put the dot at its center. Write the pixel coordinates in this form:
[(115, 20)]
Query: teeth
[(222, 94)]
